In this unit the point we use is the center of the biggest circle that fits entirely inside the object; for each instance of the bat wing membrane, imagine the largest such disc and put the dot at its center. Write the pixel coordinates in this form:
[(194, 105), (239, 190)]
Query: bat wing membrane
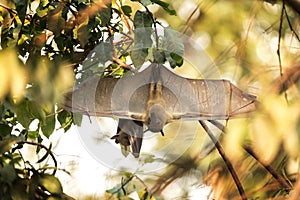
[(198, 99)]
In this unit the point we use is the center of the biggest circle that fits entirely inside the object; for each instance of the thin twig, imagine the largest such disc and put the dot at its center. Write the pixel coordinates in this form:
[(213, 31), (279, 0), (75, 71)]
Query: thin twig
[(8, 8), (279, 43), (290, 25), (190, 17), (278, 177), (44, 147), (125, 18), (122, 186), (225, 159)]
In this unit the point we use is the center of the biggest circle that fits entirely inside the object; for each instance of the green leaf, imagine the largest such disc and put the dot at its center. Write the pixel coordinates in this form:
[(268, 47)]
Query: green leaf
[(21, 7), (177, 58), (2, 110), (142, 19), (51, 184), (165, 6), (7, 142), (41, 12), (33, 134), (19, 189), (138, 56), (5, 130), (146, 2), (83, 35), (6, 145), (65, 119), (158, 56), (142, 38), (105, 15), (127, 10), (173, 46), (26, 112), (77, 119), (48, 125), (102, 53), (56, 22), (8, 173)]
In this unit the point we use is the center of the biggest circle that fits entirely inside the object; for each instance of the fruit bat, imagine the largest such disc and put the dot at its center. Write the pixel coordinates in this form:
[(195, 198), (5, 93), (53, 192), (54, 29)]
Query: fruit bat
[(155, 97), (130, 133)]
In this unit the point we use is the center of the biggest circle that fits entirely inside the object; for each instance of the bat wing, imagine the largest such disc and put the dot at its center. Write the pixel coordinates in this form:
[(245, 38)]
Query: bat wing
[(200, 99), (125, 98)]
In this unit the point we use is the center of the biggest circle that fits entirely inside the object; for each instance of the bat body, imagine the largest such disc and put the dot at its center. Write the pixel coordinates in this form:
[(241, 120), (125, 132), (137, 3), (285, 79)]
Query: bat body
[(157, 96)]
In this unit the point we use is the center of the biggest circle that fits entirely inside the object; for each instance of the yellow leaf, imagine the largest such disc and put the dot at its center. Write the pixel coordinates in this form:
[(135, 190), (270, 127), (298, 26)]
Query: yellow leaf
[(235, 138), (12, 75), (4, 83), (266, 140)]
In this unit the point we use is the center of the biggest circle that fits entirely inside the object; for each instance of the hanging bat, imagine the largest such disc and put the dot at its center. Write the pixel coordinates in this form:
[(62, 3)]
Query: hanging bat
[(130, 133), (157, 96)]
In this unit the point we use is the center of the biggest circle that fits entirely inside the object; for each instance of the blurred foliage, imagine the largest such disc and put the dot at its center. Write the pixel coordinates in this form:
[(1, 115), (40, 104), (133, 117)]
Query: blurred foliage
[(45, 44)]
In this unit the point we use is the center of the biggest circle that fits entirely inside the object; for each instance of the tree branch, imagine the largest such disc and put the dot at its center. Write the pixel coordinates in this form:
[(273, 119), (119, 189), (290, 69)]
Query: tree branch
[(278, 177), (226, 160)]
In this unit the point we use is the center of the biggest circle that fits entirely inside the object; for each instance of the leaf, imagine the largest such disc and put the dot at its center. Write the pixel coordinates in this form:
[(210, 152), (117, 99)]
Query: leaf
[(158, 56), (143, 194), (6, 145), (21, 7), (56, 22), (24, 115), (82, 35), (5, 129), (142, 37), (127, 10), (142, 19), (65, 119), (8, 173), (19, 189), (138, 56), (77, 119), (48, 125), (7, 142), (105, 15), (115, 189), (144, 2), (41, 11), (102, 53), (165, 6), (177, 58), (51, 184), (173, 47), (33, 134), (27, 111), (2, 110)]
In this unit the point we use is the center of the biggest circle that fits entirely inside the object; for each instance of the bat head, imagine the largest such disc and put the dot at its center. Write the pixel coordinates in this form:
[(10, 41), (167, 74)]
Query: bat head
[(157, 118)]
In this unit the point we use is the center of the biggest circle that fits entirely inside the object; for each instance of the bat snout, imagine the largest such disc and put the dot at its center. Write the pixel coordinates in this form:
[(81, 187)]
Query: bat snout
[(157, 118)]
